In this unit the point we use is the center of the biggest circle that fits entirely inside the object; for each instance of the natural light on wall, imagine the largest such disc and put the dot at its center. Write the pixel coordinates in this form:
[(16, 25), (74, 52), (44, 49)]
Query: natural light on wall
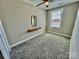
[(56, 16)]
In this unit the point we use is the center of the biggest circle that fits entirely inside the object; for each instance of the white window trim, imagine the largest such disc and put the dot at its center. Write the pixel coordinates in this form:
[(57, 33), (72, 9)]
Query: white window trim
[(55, 11)]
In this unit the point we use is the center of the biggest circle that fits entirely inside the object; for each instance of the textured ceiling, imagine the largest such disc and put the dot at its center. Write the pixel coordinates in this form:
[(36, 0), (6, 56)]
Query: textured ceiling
[(53, 4)]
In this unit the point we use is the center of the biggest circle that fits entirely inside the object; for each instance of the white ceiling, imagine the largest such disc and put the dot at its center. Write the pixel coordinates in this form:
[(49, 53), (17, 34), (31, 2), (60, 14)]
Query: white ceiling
[(53, 4)]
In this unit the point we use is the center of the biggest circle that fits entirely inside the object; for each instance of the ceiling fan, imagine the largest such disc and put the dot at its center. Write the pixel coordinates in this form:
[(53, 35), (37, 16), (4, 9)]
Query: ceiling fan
[(46, 2)]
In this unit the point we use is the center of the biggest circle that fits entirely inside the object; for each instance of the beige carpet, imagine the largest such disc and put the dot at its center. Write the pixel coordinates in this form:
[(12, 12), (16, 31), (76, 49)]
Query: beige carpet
[(45, 46)]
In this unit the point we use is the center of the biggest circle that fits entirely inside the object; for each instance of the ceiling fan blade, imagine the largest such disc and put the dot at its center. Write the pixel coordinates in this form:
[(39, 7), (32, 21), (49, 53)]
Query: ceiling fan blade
[(51, 0), (40, 4)]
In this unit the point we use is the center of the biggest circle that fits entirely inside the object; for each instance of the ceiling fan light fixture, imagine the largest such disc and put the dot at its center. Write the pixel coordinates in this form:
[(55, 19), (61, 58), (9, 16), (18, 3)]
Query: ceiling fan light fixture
[(47, 3), (47, 6)]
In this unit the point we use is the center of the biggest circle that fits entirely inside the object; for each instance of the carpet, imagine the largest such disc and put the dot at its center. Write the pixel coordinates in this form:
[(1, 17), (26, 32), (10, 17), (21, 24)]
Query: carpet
[(45, 46)]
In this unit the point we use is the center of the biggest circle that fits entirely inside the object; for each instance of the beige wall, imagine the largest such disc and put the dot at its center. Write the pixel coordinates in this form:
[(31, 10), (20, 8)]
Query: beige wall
[(16, 18), (74, 44), (68, 19)]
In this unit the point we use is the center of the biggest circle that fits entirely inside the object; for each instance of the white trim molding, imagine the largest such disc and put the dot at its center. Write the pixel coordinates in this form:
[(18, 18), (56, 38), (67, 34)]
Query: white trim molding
[(60, 34), (16, 44)]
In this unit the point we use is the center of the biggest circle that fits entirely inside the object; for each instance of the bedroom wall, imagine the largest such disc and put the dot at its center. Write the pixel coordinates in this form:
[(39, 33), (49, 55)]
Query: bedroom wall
[(74, 43), (68, 19), (16, 19)]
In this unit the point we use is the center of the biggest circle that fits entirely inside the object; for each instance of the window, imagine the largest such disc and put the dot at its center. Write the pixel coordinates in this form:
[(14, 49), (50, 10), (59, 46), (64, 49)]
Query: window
[(55, 20)]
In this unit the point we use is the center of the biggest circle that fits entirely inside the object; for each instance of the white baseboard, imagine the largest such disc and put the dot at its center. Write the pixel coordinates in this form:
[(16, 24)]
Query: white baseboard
[(60, 34), (25, 40)]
